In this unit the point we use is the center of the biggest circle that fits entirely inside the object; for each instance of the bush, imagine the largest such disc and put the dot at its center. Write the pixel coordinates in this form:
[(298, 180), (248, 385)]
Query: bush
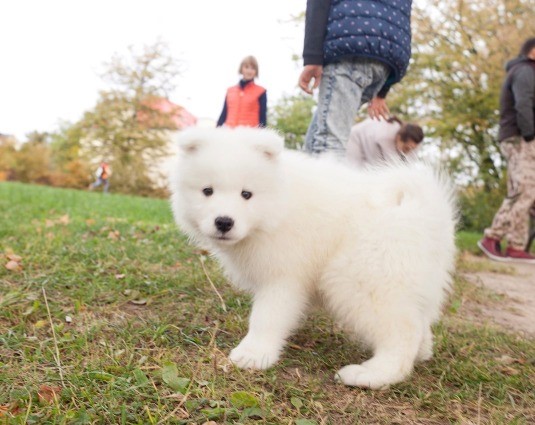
[(478, 206)]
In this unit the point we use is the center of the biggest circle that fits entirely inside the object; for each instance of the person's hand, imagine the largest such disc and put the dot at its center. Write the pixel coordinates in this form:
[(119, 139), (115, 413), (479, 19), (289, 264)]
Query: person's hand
[(378, 108), (310, 74)]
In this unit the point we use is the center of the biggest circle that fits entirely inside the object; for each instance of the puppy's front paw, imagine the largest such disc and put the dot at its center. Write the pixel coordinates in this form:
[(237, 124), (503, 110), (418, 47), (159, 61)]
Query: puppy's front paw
[(361, 376), (253, 355)]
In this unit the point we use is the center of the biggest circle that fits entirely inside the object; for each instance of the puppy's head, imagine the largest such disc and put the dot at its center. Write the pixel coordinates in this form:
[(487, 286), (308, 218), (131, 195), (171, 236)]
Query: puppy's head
[(228, 183)]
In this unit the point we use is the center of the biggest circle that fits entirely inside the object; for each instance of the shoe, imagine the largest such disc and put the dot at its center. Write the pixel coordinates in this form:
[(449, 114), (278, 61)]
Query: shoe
[(491, 247), (519, 256)]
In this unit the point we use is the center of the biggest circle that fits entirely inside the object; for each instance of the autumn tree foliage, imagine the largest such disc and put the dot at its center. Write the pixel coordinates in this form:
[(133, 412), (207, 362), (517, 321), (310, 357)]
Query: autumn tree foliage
[(460, 49), (123, 128)]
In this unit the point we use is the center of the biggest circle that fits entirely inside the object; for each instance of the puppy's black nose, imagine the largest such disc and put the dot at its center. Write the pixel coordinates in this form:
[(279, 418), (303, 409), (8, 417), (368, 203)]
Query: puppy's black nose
[(224, 224)]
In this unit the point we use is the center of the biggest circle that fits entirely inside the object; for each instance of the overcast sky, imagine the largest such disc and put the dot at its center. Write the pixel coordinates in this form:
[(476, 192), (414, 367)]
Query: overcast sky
[(52, 52)]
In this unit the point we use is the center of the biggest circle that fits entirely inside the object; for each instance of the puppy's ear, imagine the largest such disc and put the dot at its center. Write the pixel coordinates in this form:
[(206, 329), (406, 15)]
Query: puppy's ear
[(270, 143), (191, 140)]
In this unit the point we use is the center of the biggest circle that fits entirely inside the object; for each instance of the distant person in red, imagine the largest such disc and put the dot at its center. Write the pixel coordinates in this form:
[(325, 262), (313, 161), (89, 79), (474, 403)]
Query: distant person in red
[(103, 174), (246, 102)]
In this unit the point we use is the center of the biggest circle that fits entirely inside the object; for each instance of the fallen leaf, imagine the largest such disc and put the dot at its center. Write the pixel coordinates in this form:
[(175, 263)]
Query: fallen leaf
[(505, 359), (511, 371), (49, 223), (114, 234), (14, 257), (12, 408), (64, 219), (13, 266), (48, 394), (120, 276), (40, 324), (141, 301), (177, 266)]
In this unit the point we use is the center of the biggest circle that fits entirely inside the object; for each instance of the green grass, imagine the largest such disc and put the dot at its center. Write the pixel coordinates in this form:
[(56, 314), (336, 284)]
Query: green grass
[(148, 337)]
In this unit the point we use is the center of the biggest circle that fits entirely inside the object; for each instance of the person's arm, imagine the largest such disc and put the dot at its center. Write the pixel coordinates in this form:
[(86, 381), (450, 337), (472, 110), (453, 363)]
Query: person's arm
[(223, 116), (317, 14), (523, 89)]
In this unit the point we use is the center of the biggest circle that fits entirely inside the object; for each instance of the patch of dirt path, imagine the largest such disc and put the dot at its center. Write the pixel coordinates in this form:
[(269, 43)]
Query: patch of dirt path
[(513, 288)]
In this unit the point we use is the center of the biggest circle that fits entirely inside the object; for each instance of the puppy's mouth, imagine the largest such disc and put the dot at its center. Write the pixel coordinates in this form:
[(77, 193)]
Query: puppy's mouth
[(223, 238)]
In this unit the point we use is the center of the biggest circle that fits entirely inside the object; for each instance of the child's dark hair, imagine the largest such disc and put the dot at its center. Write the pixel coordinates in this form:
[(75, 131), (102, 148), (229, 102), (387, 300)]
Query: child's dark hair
[(528, 45), (410, 131), (249, 60), (407, 131)]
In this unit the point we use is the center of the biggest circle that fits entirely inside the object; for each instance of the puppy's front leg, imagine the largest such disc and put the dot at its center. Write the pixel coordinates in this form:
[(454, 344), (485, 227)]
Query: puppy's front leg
[(277, 309)]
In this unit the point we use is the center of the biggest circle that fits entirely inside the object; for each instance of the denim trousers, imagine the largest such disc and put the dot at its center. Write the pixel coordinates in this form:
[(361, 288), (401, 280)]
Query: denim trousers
[(344, 87)]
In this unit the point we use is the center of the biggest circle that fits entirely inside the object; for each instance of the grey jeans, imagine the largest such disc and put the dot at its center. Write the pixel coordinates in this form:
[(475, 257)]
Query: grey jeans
[(345, 86)]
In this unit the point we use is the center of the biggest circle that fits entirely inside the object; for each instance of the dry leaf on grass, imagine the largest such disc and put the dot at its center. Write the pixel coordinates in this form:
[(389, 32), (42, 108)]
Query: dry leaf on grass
[(12, 409), (511, 371), (4, 410), (114, 234), (14, 257), (64, 219), (13, 266), (48, 394)]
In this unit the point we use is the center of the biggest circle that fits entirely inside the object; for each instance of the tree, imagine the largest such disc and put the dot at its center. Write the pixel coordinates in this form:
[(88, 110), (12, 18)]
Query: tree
[(453, 83), (291, 117), (7, 156), (124, 128), (33, 159)]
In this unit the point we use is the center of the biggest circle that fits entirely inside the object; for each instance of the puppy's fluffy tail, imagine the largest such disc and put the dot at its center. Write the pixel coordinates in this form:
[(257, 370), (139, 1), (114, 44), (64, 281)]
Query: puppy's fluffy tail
[(421, 220)]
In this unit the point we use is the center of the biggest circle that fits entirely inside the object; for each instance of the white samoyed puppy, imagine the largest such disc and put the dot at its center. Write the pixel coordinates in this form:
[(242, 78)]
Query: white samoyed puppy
[(375, 247)]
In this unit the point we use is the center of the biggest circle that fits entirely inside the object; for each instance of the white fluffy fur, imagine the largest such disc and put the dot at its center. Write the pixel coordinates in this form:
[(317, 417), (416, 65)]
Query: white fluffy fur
[(376, 247)]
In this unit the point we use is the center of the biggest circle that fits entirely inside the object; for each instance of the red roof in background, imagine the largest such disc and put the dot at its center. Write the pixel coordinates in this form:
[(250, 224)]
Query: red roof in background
[(178, 115)]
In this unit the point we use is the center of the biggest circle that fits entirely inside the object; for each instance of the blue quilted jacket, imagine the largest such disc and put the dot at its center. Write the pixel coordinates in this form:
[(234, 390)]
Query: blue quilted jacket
[(378, 29)]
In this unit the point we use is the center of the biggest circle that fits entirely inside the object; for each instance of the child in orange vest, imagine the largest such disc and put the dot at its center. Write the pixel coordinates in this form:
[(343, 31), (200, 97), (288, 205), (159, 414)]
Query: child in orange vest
[(103, 177), (246, 102)]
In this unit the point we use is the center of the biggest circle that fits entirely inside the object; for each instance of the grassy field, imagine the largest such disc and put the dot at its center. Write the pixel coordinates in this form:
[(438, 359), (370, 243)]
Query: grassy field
[(107, 315)]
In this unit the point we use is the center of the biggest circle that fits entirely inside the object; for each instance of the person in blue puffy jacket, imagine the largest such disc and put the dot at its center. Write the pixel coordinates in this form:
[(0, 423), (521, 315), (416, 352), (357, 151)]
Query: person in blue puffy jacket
[(354, 51)]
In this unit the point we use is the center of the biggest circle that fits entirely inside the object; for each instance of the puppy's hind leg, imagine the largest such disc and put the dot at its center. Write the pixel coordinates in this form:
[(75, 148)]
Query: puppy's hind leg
[(396, 345), (277, 310), (425, 352)]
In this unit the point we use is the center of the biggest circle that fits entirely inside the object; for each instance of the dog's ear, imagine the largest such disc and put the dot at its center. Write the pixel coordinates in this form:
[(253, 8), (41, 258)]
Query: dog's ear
[(191, 139), (270, 143)]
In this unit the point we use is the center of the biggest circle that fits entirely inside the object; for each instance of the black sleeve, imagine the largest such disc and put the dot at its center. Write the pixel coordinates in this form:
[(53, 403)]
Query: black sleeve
[(384, 91), (223, 116), (262, 119), (317, 13), (523, 89)]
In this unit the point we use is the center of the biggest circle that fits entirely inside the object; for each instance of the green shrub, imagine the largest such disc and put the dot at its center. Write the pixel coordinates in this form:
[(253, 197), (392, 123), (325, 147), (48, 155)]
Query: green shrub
[(478, 206)]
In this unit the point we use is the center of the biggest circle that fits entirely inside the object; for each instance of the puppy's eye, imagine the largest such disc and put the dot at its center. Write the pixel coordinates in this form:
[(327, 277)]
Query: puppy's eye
[(246, 194), (208, 191)]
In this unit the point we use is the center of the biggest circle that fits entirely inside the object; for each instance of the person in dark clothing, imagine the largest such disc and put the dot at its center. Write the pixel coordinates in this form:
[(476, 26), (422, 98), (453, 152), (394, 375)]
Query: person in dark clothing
[(246, 102), (516, 136), (354, 51)]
